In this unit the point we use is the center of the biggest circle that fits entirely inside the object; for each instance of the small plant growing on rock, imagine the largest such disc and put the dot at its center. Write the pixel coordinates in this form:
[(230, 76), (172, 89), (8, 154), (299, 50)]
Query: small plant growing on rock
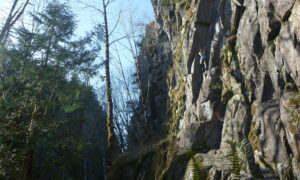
[(237, 157), (197, 167)]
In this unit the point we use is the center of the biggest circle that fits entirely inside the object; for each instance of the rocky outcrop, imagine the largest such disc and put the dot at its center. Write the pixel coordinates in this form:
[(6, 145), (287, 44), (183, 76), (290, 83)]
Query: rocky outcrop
[(249, 93)]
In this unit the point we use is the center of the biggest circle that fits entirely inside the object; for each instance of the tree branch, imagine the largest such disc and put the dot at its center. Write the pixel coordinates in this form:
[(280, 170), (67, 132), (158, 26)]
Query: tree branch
[(118, 39), (90, 6), (117, 22)]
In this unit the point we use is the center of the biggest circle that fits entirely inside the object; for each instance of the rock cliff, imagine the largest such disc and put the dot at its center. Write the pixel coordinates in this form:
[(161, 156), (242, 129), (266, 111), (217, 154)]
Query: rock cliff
[(250, 92)]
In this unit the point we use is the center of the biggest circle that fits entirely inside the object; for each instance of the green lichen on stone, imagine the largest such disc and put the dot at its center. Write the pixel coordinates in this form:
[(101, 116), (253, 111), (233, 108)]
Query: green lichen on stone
[(185, 3), (178, 51), (293, 109), (294, 122), (165, 2), (229, 53), (254, 138), (189, 14), (174, 26), (273, 42), (232, 78), (295, 102), (253, 109), (215, 86), (177, 99), (176, 103)]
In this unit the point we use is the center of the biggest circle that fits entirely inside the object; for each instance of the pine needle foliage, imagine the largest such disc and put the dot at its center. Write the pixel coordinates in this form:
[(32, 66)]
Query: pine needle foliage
[(197, 167)]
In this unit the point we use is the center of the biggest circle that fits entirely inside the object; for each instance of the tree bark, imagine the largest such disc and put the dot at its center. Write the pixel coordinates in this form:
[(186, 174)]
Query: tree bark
[(111, 139), (28, 160), (12, 18)]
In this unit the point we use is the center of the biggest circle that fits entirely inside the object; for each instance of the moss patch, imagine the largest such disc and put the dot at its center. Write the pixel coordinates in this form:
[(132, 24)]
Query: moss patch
[(175, 105), (293, 108), (253, 137), (295, 102)]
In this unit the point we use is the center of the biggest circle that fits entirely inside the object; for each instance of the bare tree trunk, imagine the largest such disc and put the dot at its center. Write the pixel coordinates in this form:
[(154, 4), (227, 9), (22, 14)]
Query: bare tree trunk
[(12, 18), (112, 139)]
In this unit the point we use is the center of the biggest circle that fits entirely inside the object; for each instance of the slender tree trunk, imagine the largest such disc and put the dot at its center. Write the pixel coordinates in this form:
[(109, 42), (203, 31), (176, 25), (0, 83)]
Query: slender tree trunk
[(31, 142), (28, 161), (12, 18), (27, 167), (7, 23), (112, 139)]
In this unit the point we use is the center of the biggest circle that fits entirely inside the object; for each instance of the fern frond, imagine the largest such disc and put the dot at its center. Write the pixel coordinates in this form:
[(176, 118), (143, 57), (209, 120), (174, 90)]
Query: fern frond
[(197, 167), (235, 162), (246, 148)]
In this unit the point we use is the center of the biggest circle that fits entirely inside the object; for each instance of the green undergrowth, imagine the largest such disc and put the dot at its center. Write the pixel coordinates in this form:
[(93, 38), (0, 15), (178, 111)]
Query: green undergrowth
[(239, 151)]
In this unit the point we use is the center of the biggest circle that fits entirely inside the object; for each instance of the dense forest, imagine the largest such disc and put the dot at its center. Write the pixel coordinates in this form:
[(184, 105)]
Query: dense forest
[(67, 92), (51, 121)]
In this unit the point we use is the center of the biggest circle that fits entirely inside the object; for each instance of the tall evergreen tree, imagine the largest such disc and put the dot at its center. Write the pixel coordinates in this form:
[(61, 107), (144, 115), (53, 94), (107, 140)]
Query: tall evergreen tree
[(43, 113)]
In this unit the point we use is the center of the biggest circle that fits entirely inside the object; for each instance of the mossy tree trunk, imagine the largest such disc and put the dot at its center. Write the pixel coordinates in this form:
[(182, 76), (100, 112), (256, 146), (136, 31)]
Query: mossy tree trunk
[(111, 138)]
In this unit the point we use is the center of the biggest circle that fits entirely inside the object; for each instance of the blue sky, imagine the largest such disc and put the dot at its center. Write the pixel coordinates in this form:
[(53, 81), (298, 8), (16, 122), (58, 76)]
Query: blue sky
[(141, 12)]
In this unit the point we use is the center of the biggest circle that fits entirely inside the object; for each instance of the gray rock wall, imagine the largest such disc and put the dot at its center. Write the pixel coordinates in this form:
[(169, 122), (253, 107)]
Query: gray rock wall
[(250, 92)]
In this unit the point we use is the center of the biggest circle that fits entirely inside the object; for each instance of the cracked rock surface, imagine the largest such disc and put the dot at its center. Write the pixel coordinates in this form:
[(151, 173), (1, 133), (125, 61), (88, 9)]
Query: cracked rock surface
[(250, 91)]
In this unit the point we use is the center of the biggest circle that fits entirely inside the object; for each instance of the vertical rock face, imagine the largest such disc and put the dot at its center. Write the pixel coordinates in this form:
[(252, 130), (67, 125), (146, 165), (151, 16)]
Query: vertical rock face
[(154, 60), (249, 93)]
